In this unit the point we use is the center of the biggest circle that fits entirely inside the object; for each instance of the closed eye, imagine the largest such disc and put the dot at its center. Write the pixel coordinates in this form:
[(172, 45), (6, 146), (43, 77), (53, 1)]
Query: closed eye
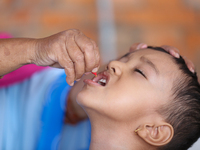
[(139, 71)]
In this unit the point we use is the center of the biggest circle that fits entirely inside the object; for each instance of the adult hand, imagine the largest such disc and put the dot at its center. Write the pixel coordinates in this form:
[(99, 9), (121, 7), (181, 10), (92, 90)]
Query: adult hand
[(70, 50), (172, 50), (175, 52)]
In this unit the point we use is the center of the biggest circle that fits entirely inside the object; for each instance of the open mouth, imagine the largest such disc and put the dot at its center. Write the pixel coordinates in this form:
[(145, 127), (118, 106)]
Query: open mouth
[(102, 79)]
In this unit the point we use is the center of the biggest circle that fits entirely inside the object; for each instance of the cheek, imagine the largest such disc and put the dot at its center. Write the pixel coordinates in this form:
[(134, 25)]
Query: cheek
[(128, 105), (121, 109), (121, 105)]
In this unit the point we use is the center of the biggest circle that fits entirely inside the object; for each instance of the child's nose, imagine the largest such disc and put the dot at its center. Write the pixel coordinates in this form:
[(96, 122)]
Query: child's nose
[(115, 67)]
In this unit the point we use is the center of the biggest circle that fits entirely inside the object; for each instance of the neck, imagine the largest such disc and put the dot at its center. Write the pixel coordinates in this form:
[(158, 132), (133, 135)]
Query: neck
[(114, 135)]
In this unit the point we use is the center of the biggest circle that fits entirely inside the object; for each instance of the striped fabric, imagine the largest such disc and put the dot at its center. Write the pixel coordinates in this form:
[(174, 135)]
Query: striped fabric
[(31, 115)]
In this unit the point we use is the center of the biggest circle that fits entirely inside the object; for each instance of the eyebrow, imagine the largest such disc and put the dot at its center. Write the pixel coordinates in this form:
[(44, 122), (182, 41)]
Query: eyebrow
[(150, 63), (127, 54), (144, 59)]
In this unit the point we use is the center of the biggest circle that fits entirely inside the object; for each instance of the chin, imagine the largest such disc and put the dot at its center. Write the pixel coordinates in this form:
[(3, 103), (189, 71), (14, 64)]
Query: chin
[(84, 100), (89, 99), (84, 97)]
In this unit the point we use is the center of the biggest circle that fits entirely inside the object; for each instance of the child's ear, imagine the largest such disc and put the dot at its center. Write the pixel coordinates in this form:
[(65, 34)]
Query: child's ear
[(156, 135)]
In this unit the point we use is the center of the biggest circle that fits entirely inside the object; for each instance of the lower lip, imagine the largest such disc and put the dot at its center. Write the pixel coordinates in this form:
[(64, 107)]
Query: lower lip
[(90, 82)]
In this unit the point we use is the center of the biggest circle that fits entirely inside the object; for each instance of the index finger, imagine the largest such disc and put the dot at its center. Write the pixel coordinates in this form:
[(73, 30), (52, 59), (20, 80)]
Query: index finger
[(87, 47), (189, 64), (97, 56), (175, 52), (172, 50), (137, 46)]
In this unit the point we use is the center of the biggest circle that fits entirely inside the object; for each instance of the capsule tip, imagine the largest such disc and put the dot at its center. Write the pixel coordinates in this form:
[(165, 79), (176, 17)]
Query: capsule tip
[(94, 73)]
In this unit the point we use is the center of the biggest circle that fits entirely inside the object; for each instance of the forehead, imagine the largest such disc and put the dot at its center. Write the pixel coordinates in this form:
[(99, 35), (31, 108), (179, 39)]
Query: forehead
[(155, 56), (164, 62)]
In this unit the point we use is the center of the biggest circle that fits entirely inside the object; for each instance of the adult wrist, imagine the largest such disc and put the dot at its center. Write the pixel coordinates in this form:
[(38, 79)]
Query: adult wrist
[(33, 51)]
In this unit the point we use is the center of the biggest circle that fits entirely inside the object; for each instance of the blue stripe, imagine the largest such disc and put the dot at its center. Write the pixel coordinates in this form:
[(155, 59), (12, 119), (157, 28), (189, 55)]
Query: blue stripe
[(53, 114)]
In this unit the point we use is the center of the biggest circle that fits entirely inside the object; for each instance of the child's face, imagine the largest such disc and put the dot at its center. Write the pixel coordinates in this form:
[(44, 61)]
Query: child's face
[(128, 93)]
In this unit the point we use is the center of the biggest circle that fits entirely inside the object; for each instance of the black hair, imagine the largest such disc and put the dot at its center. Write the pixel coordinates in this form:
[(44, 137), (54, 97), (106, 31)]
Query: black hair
[(183, 110)]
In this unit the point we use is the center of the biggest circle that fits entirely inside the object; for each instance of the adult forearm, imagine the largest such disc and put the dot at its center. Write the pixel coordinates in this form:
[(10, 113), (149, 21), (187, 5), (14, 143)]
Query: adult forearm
[(15, 53)]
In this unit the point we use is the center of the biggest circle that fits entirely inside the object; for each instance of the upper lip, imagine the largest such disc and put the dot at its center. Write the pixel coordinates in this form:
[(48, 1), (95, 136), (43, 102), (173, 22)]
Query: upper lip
[(102, 75)]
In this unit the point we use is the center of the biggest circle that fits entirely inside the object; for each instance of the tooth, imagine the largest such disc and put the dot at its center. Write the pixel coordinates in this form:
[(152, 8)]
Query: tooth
[(103, 80)]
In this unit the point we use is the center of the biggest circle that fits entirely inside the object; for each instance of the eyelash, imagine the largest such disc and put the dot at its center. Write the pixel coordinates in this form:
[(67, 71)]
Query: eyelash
[(139, 71)]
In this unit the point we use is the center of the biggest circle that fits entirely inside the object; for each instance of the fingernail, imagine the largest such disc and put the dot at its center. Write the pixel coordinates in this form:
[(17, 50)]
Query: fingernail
[(144, 46), (176, 55), (191, 69), (78, 79), (88, 73), (95, 70), (71, 84), (173, 53), (141, 46)]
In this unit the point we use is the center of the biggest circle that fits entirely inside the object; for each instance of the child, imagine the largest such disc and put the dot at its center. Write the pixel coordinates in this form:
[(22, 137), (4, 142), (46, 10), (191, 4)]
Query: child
[(147, 99)]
